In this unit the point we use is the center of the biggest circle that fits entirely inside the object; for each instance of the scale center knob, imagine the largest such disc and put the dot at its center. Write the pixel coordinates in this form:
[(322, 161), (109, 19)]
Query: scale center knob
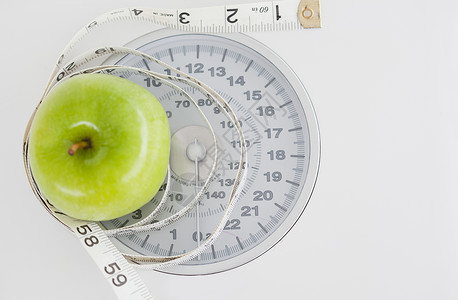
[(196, 151), (189, 145)]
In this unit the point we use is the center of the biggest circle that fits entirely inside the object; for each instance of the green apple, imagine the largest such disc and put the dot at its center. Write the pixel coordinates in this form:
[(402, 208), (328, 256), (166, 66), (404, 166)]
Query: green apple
[(99, 146)]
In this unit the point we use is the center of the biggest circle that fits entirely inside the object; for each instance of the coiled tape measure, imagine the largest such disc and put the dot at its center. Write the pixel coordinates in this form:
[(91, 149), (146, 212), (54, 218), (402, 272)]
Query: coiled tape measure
[(245, 142)]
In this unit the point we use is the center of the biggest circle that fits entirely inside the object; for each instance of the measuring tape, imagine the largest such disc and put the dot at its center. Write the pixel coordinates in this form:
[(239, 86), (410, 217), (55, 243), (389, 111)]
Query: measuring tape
[(276, 15)]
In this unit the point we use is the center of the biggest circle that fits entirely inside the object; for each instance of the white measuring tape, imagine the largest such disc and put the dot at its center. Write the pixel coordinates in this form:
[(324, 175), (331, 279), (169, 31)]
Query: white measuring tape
[(264, 16)]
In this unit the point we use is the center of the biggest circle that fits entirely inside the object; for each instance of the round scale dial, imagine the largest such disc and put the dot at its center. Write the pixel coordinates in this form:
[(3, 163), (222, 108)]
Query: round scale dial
[(282, 138)]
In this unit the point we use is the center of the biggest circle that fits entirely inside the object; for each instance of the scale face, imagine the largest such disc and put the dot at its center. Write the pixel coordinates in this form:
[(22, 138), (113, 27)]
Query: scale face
[(282, 138)]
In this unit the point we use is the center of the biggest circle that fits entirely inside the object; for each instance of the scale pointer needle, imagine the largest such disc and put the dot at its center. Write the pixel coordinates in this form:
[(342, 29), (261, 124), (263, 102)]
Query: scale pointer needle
[(196, 160), (196, 152)]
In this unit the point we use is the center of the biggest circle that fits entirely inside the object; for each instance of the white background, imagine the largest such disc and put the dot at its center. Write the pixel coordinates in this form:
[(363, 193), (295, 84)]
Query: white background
[(382, 222)]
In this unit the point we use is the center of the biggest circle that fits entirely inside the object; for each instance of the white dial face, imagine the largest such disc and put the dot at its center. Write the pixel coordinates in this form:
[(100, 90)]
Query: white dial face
[(280, 128)]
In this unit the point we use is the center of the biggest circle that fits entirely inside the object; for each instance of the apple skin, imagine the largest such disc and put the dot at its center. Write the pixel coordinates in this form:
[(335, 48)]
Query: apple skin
[(127, 160)]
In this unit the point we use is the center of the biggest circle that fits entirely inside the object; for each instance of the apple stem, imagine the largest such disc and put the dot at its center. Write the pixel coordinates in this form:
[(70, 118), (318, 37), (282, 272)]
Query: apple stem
[(83, 144)]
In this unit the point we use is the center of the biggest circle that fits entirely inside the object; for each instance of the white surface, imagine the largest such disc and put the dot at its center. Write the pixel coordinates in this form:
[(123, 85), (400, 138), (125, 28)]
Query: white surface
[(382, 223)]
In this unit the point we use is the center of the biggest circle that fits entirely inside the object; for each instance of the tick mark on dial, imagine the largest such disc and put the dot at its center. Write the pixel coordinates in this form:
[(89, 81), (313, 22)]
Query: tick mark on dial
[(249, 65), (262, 227), (144, 241), (280, 91), (292, 182), (146, 64), (253, 238), (270, 82), (171, 55), (275, 220), (238, 58), (280, 207), (289, 196), (156, 248), (224, 55), (286, 103), (239, 242), (294, 129)]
